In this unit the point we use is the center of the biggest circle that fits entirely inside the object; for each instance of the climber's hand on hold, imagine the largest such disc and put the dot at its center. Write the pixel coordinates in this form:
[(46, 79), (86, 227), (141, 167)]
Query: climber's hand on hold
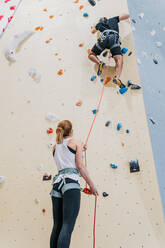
[(93, 30)]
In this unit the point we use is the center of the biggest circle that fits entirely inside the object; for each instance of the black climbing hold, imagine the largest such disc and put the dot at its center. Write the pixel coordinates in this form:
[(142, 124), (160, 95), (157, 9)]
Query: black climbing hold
[(105, 53), (105, 194), (92, 2), (133, 20), (130, 53), (129, 83), (155, 61), (47, 178), (134, 165), (135, 87), (153, 122), (107, 123)]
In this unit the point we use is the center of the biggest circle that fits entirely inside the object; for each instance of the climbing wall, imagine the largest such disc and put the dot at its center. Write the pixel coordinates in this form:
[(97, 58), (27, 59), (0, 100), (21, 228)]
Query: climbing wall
[(50, 74)]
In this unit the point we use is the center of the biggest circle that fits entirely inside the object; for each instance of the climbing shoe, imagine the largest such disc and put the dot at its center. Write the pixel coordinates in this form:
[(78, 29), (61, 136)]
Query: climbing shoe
[(100, 69), (118, 82)]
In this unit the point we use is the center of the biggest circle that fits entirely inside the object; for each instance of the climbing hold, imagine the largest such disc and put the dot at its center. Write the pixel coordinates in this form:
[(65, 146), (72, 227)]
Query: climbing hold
[(105, 53), (81, 45), (130, 53), (2, 179), (107, 123), (93, 78), (153, 32), (135, 87), (86, 191), (81, 7), (37, 200), (133, 20), (52, 117), (43, 210), (153, 122), (113, 166), (15, 43), (49, 131), (105, 194), (60, 72), (129, 83), (85, 15), (39, 28), (76, 1), (155, 61), (124, 50), (123, 90), (79, 103), (92, 2), (134, 165), (51, 16), (158, 43), (56, 54), (141, 15), (119, 126), (122, 143), (127, 131), (46, 177), (94, 111), (45, 10), (89, 51), (107, 80), (34, 74), (102, 80), (139, 61)]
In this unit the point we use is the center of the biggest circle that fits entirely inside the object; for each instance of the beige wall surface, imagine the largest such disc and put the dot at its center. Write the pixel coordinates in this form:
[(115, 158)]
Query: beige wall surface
[(131, 216)]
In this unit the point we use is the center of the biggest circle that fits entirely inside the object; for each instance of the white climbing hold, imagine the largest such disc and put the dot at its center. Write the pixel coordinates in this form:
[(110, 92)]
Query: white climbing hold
[(34, 74), (37, 200), (52, 117), (40, 167), (153, 32), (14, 45), (138, 61), (141, 15), (2, 179), (158, 43), (51, 144)]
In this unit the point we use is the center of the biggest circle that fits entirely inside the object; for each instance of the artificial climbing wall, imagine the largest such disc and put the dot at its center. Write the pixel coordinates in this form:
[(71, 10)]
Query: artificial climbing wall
[(131, 216)]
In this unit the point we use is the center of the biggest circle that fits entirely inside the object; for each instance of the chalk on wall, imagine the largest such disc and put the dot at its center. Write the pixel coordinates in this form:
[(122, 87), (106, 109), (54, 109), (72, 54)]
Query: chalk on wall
[(15, 43)]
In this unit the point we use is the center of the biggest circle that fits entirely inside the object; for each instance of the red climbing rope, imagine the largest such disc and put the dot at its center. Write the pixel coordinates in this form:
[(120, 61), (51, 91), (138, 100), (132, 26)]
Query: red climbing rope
[(86, 190)]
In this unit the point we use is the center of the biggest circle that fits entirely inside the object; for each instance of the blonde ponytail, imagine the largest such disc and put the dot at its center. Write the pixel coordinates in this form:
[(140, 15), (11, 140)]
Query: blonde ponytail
[(59, 135), (64, 129)]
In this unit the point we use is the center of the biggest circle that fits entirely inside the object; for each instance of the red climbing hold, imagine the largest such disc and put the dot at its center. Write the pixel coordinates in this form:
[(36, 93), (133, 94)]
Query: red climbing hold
[(81, 45), (60, 72), (107, 80), (86, 191), (79, 103), (43, 210), (49, 131)]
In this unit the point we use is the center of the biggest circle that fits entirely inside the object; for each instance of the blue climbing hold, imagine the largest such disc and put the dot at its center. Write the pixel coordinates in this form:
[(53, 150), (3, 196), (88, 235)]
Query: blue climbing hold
[(102, 80), (93, 78), (94, 111), (85, 15), (123, 90), (119, 126), (127, 131), (113, 166), (124, 50)]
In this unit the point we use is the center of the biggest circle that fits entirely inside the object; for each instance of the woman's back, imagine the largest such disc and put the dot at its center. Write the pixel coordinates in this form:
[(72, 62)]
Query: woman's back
[(64, 155)]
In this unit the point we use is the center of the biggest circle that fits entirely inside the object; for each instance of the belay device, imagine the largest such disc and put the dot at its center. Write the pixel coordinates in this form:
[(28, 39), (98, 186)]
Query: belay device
[(134, 165)]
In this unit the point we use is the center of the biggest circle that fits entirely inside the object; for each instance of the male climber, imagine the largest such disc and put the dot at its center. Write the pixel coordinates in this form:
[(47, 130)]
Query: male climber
[(109, 39)]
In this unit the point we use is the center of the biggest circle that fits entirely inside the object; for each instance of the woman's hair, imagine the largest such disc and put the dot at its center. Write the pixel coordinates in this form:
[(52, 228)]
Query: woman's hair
[(63, 129)]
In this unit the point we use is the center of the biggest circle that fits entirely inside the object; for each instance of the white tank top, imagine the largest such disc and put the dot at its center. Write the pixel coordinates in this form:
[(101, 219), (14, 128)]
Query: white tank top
[(64, 158)]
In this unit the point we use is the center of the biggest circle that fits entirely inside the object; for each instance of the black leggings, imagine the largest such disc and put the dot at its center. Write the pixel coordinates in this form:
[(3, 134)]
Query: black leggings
[(65, 212)]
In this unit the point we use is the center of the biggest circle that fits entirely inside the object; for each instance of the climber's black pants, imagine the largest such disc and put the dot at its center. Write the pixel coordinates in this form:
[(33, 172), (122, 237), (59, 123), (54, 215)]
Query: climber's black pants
[(65, 212)]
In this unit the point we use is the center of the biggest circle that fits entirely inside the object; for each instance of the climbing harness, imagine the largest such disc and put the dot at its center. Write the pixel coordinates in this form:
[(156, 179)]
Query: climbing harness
[(111, 34), (86, 190)]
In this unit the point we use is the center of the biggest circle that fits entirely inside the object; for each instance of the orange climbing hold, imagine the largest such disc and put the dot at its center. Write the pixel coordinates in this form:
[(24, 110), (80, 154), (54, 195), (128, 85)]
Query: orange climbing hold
[(37, 28), (107, 80), (122, 143), (50, 130), (86, 191), (81, 7), (45, 10), (56, 54), (76, 1), (81, 45), (60, 72), (79, 103), (59, 59), (43, 210), (41, 28), (51, 16), (47, 41), (89, 51)]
